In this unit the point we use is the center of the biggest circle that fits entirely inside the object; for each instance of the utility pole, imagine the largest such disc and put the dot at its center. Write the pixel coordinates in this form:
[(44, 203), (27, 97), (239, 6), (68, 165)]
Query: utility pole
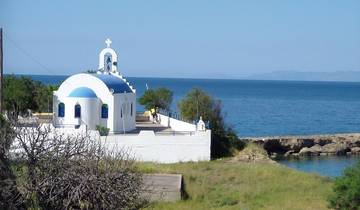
[(1, 73)]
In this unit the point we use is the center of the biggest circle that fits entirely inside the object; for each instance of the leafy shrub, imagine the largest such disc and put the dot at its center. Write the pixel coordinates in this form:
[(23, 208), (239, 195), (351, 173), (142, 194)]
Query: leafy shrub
[(346, 190), (23, 93), (161, 98), (224, 141), (104, 131)]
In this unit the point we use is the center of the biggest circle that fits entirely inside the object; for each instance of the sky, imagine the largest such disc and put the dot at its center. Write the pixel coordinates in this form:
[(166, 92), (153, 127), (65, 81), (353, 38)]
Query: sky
[(187, 38)]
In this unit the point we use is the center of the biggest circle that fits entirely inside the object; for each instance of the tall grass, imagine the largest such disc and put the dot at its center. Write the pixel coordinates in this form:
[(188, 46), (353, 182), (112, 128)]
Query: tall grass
[(224, 184)]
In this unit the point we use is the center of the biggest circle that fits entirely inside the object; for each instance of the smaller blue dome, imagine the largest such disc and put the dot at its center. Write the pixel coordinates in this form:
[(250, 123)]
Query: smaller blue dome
[(83, 92)]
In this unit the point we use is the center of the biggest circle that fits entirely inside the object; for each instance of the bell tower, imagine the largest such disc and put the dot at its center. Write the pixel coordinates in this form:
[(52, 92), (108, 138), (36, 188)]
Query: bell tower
[(108, 59)]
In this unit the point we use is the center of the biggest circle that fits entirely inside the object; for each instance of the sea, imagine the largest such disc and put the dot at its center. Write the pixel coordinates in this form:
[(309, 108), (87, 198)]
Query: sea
[(255, 108)]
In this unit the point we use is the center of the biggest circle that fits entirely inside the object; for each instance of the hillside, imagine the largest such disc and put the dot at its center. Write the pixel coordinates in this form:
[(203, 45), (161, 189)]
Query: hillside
[(345, 76)]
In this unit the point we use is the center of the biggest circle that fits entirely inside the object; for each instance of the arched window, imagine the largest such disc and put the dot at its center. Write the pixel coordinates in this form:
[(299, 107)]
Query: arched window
[(104, 111), (121, 113), (131, 109), (61, 110), (77, 111), (108, 62)]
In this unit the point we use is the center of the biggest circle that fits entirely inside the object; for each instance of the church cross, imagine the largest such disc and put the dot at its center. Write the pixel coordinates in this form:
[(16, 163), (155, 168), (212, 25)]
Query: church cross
[(108, 42)]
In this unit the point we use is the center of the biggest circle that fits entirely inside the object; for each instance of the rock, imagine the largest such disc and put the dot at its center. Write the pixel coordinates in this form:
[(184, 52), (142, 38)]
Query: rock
[(296, 144), (312, 151), (288, 153), (335, 148), (305, 142), (355, 150), (322, 141), (306, 151), (282, 145), (252, 153), (273, 146), (357, 143), (316, 148), (334, 144), (354, 143)]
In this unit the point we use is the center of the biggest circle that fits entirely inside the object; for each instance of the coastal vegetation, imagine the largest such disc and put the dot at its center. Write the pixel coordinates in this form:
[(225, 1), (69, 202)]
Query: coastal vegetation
[(235, 184), (157, 98), (196, 103), (22, 94), (346, 195)]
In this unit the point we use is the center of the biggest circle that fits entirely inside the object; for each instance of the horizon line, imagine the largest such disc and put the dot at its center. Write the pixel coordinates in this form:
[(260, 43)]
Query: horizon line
[(199, 78)]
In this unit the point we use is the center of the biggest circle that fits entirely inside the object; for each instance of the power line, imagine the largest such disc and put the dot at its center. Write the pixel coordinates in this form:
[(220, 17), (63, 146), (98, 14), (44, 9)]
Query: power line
[(29, 55)]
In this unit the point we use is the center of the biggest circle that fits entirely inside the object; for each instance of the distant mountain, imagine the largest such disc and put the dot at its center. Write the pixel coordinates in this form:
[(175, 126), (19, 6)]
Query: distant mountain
[(346, 76)]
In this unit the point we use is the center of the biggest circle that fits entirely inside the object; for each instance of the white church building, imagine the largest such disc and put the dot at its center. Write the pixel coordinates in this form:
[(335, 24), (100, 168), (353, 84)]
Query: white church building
[(104, 98), (87, 100)]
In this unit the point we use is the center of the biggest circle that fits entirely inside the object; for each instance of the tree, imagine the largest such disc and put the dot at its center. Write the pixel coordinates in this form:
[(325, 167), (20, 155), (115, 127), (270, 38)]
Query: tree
[(197, 103), (22, 93), (346, 190), (161, 98), (10, 197), (19, 95), (43, 97)]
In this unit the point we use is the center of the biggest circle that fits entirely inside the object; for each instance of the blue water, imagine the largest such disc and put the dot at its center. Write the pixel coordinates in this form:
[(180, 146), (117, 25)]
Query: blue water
[(263, 108), (266, 108), (331, 166)]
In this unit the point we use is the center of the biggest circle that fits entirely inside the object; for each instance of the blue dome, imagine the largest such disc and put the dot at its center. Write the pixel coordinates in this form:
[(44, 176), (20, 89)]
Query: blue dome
[(83, 92), (113, 82)]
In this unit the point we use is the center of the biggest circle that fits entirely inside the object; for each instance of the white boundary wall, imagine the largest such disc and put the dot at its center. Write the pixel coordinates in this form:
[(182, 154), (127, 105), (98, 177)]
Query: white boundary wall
[(146, 146), (174, 124), (160, 147)]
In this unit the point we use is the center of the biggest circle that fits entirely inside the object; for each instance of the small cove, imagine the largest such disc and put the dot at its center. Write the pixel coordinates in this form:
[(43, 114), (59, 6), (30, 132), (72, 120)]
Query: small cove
[(330, 166)]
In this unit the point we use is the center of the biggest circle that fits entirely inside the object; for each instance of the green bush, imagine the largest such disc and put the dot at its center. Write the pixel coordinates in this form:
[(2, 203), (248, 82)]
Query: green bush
[(104, 131), (23, 93), (346, 190), (160, 98), (224, 141)]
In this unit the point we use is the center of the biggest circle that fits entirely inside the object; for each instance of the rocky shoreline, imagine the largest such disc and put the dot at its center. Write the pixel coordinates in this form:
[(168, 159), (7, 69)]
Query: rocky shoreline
[(312, 145)]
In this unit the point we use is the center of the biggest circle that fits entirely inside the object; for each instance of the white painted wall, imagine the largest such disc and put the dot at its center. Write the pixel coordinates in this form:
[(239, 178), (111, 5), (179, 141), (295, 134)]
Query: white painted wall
[(89, 106), (150, 147), (113, 56), (147, 146), (90, 111), (127, 122), (174, 124)]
